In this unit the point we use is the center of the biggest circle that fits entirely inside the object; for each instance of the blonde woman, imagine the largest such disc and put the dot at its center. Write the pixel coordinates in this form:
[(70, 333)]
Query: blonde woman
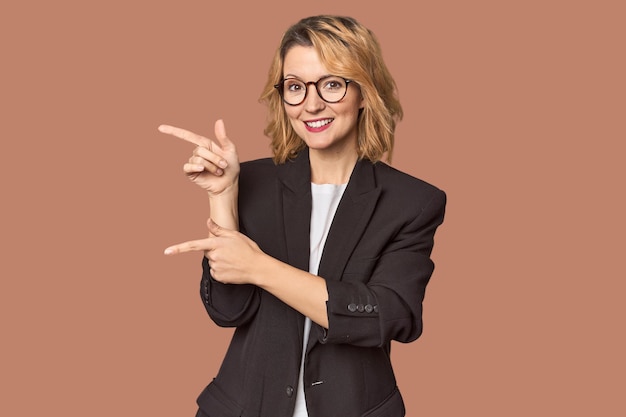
[(319, 256)]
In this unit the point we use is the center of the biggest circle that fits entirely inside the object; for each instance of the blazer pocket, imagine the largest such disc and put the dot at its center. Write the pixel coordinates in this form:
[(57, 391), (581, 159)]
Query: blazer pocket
[(392, 406), (215, 403)]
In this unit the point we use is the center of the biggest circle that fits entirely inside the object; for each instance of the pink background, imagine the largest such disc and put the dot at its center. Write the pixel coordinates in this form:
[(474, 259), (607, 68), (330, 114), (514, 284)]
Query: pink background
[(516, 109)]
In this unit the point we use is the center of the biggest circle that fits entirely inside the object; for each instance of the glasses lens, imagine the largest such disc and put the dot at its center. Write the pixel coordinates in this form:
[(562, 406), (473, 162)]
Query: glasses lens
[(332, 89), (293, 91)]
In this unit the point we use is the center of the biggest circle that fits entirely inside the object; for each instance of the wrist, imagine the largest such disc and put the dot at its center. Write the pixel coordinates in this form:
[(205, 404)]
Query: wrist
[(223, 207), (230, 192), (266, 270)]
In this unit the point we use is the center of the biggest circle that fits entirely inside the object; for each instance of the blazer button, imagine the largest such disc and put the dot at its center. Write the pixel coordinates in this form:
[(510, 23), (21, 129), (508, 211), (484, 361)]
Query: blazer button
[(361, 308), (352, 307), (375, 309), (369, 308), (289, 391)]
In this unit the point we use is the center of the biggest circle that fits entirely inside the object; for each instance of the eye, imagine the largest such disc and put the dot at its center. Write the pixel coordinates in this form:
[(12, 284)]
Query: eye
[(293, 86), (334, 84)]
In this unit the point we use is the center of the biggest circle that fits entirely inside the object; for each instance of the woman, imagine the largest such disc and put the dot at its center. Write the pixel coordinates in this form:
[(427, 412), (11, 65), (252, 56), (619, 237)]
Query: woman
[(320, 256)]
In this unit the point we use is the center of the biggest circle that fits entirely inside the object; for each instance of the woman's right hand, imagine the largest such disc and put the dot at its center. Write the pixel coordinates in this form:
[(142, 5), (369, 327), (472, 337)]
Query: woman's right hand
[(214, 165)]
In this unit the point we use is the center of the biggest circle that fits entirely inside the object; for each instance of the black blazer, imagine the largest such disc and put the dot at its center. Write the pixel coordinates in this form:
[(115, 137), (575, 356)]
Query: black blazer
[(376, 262)]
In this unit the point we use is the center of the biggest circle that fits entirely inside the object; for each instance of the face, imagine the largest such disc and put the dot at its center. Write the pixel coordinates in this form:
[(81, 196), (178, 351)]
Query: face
[(324, 127)]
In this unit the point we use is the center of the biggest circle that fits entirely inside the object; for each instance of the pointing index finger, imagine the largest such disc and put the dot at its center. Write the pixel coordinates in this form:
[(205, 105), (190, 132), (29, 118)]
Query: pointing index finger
[(190, 246), (185, 135)]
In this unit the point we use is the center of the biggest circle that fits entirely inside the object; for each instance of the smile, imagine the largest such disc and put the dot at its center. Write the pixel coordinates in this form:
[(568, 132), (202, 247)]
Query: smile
[(318, 123)]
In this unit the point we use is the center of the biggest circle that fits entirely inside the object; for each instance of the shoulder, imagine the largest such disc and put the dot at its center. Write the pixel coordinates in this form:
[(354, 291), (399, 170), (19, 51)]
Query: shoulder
[(256, 171), (409, 200), (257, 181), (400, 185), (262, 172), (257, 165)]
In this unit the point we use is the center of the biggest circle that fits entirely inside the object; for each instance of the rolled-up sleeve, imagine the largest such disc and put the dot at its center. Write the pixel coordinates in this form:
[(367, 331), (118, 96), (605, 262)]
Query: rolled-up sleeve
[(387, 305), (228, 305)]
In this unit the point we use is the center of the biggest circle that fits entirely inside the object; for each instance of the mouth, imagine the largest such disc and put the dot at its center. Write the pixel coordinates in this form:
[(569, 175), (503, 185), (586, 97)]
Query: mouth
[(316, 125)]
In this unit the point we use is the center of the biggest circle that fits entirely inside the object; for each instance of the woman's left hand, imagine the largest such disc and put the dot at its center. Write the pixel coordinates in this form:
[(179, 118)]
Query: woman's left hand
[(232, 255)]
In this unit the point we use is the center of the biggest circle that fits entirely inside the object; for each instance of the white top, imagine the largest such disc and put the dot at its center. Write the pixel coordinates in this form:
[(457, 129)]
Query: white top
[(326, 198)]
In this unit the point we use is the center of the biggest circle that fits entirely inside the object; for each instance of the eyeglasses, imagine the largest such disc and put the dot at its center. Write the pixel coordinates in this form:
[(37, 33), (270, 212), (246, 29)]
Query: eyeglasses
[(331, 89)]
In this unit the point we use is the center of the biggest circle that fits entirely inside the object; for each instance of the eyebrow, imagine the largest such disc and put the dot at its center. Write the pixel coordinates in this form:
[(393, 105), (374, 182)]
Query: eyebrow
[(299, 78)]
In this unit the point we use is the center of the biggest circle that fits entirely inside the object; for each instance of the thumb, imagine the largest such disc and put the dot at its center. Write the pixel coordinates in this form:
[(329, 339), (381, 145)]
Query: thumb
[(220, 135), (215, 229)]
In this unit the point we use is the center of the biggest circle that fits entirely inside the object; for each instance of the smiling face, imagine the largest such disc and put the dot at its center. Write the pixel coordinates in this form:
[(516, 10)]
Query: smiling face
[(324, 127)]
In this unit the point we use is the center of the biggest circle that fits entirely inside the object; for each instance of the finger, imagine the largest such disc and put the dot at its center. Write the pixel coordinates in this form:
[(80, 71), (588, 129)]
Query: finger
[(215, 229), (220, 134), (197, 164), (190, 246), (211, 155), (191, 168), (185, 135)]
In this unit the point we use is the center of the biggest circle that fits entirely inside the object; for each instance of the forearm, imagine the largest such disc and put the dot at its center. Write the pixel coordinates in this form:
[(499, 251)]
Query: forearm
[(300, 290), (223, 208)]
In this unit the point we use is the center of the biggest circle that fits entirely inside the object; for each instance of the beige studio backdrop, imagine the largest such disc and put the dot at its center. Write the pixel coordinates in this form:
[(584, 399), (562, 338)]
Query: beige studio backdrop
[(515, 108)]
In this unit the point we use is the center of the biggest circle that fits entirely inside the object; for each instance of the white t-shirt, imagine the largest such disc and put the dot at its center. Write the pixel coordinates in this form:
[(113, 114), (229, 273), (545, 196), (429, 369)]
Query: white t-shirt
[(326, 198)]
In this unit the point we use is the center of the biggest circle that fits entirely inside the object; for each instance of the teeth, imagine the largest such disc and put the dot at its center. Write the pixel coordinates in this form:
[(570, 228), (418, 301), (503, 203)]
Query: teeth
[(319, 123)]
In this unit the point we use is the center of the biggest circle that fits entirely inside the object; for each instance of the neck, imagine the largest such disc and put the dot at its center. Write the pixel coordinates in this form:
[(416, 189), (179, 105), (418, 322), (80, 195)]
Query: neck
[(331, 168)]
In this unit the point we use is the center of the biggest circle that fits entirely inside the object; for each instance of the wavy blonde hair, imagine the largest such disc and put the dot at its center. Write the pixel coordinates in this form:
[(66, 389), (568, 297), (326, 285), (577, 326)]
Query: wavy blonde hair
[(349, 50)]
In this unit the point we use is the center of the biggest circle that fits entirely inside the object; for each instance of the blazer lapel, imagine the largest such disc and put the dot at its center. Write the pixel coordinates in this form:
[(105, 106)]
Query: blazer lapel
[(295, 177), (295, 192), (352, 217)]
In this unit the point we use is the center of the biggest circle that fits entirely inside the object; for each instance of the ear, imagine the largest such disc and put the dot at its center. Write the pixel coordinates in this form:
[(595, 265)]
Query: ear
[(362, 103)]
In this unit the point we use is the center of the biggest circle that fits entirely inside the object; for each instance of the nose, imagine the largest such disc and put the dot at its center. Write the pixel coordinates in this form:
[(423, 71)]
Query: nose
[(313, 102)]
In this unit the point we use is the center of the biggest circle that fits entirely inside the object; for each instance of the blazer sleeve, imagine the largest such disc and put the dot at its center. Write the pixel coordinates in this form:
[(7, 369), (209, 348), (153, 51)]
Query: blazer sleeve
[(228, 305), (388, 305)]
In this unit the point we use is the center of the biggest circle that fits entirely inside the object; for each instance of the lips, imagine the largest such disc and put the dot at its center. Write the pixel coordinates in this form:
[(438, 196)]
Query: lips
[(317, 125)]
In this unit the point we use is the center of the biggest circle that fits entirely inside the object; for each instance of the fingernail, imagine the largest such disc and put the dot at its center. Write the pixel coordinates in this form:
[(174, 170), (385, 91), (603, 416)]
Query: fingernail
[(222, 163), (218, 172), (168, 251)]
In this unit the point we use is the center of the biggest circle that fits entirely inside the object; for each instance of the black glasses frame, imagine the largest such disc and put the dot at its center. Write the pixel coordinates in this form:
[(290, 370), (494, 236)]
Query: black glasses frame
[(280, 87)]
